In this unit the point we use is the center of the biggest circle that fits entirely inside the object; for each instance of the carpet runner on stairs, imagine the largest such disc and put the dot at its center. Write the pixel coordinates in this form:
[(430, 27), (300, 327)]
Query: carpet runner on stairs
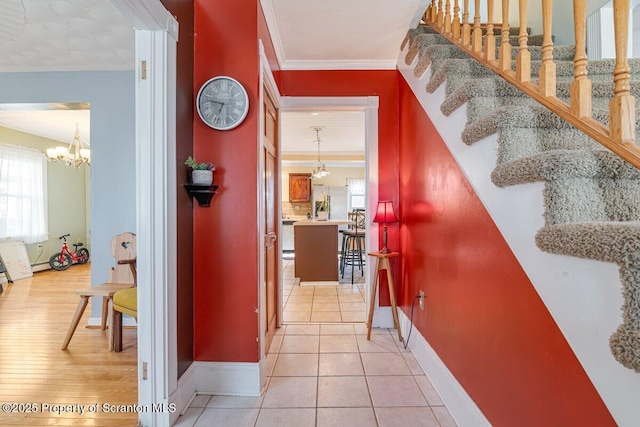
[(592, 197)]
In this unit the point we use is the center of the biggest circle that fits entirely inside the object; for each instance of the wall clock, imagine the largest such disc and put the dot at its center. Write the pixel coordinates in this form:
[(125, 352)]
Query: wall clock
[(222, 103)]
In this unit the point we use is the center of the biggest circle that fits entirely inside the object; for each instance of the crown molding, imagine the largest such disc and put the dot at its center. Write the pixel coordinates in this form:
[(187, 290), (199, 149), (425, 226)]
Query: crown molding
[(340, 64)]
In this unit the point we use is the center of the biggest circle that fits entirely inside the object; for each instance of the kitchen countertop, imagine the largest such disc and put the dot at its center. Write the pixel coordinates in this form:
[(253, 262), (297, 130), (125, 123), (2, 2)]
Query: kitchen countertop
[(292, 219), (327, 222)]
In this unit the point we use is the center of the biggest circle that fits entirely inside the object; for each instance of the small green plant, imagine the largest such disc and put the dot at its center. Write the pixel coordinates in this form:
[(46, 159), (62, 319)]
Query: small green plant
[(191, 162)]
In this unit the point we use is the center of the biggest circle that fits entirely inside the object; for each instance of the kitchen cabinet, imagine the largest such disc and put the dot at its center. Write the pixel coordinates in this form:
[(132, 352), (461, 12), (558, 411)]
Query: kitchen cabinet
[(299, 187)]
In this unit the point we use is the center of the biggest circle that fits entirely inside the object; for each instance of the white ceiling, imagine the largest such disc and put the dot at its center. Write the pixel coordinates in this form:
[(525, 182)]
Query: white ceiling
[(91, 35), (56, 124), (342, 132), (340, 34)]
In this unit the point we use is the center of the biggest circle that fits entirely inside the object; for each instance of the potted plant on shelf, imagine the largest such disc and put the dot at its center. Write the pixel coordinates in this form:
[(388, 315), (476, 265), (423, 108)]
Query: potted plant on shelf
[(202, 173)]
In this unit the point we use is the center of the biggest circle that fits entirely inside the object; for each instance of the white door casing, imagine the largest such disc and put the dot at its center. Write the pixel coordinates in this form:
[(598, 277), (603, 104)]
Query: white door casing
[(156, 34)]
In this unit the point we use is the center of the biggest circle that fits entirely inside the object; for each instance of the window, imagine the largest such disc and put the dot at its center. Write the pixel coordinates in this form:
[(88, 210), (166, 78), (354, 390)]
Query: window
[(357, 187), (23, 189)]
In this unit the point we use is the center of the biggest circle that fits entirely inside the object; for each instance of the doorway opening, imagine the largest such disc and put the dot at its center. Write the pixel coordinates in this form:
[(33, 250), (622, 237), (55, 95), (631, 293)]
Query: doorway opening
[(348, 151)]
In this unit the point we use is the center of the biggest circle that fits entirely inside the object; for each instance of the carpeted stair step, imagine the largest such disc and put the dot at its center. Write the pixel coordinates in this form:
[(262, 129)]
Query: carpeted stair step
[(521, 117), (466, 89), (527, 116), (424, 41), (565, 164), (415, 32), (517, 143), (469, 68), (617, 242), (426, 29), (533, 40)]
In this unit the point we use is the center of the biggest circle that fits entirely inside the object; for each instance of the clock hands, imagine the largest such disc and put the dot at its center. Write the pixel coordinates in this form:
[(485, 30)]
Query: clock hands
[(216, 102)]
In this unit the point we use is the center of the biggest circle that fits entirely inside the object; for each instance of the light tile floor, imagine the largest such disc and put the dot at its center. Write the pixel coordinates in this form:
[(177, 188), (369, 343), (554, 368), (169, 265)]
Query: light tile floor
[(321, 304), (330, 375)]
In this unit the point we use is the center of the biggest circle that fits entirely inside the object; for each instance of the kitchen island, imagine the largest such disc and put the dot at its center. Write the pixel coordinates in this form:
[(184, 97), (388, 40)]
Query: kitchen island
[(316, 250)]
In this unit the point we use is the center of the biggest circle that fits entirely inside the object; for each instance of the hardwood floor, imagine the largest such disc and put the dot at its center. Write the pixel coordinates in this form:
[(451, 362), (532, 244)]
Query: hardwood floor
[(35, 314)]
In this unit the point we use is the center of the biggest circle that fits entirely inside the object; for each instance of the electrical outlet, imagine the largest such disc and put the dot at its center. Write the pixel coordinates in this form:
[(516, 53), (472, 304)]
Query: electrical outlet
[(40, 248), (421, 300)]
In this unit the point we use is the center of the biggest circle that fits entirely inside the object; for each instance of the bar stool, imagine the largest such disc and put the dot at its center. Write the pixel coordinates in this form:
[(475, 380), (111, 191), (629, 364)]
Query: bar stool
[(353, 245)]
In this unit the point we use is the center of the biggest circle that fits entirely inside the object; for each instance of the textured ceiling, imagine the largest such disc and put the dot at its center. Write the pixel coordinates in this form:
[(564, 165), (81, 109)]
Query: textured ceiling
[(62, 35)]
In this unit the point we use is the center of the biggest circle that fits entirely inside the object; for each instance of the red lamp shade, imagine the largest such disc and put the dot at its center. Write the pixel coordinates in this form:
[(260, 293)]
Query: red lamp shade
[(385, 213)]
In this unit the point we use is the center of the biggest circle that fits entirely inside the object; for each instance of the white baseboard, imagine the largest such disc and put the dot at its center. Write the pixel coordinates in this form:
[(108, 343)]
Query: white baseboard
[(462, 408), (227, 378), (184, 393), (40, 267), (219, 378)]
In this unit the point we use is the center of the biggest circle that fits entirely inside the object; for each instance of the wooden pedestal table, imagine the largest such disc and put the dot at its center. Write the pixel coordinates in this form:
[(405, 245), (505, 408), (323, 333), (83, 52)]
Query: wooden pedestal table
[(382, 263)]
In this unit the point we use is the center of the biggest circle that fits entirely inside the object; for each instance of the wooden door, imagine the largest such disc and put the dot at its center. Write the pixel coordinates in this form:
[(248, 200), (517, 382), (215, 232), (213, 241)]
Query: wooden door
[(271, 195)]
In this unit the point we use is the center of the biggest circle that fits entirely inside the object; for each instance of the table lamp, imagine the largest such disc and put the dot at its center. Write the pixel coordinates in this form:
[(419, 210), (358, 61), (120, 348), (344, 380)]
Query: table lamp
[(385, 215)]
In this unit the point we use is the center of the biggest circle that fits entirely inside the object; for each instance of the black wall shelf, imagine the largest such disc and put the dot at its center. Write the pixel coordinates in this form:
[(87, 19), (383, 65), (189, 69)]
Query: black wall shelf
[(202, 193)]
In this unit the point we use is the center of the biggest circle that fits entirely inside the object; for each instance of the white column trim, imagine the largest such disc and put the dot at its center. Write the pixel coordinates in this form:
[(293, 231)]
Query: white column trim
[(156, 224), (156, 36)]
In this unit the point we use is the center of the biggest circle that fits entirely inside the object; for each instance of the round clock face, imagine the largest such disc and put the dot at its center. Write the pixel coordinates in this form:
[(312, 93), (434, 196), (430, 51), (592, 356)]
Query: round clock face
[(222, 103)]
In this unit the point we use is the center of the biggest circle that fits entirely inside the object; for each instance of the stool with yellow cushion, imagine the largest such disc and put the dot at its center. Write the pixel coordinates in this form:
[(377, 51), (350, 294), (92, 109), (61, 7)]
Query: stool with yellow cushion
[(124, 301)]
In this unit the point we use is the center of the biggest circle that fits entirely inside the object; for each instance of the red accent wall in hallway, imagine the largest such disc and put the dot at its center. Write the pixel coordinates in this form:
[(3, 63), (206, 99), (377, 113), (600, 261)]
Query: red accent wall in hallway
[(482, 315), (381, 83), (225, 235)]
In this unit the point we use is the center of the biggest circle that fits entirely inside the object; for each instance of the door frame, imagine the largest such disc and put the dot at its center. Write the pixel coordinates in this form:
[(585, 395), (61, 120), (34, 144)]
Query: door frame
[(156, 36), (268, 83)]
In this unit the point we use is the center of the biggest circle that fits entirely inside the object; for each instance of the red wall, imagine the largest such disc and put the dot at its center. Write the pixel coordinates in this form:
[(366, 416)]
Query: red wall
[(225, 234), (482, 315), (381, 83)]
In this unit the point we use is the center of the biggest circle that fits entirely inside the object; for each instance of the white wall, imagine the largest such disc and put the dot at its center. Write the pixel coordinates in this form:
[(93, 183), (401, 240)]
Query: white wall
[(112, 171), (66, 198)]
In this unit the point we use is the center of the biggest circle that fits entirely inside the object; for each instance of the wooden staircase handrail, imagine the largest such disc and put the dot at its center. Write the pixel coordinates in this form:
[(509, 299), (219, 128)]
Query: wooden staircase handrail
[(619, 136)]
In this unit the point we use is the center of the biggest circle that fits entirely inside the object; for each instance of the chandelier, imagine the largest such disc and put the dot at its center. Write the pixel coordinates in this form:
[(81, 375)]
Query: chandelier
[(74, 155), (320, 171)]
